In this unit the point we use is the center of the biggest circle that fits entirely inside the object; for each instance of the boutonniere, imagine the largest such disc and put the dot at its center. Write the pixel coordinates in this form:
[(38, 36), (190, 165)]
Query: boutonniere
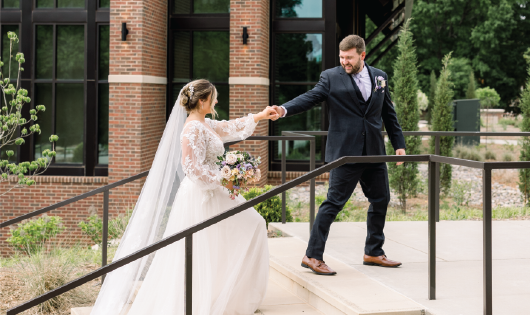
[(380, 83)]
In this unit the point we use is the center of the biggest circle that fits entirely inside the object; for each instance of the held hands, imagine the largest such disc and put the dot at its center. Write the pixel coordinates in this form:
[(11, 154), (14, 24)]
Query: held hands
[(278, 110), (267, 113), (400, 152)]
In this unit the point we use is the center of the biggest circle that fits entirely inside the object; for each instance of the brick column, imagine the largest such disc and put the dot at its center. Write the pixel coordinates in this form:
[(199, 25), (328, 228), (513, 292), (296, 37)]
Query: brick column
[(137, 104), (249, 71)]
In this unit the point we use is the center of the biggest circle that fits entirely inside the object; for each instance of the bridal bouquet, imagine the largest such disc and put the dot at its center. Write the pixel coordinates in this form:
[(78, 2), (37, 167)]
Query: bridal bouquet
[(240, 168)]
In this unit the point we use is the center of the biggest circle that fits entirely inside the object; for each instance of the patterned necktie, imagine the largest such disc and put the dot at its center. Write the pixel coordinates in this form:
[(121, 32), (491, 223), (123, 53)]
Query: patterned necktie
[(361, 87)]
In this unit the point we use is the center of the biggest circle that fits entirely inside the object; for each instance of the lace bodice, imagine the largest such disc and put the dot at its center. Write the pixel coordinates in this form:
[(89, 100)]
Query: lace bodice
[(202, 143)]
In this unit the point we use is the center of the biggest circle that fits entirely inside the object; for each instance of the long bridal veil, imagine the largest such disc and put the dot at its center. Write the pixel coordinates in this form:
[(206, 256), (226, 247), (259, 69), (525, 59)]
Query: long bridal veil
[(148, 220)]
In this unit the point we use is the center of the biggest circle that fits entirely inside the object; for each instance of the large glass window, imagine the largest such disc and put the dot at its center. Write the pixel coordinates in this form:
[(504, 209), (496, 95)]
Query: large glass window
[(61, 88), (104, 3), (10, 4), (201, 6), (69, 4), (103, 95), (4, 55), (297, 67), (298, 8), (202, 55)]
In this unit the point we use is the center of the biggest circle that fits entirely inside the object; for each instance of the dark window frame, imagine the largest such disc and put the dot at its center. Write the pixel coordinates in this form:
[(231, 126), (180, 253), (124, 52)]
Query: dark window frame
[(91, 17), (325, 26), (190, 22)]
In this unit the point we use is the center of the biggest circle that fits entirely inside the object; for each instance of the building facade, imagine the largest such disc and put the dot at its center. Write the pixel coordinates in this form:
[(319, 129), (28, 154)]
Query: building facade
[(109, 72)]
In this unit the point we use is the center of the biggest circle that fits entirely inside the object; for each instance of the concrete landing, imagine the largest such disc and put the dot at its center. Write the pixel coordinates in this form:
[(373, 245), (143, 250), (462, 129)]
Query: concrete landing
[(459, 262), (349, 292)]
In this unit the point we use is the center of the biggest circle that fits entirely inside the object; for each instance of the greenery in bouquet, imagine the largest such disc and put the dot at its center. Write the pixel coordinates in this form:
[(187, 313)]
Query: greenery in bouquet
[(239, 168)]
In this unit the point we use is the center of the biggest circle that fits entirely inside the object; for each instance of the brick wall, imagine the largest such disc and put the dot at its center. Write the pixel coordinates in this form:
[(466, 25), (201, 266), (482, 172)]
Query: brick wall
[(46, 191), (137, 110), (251, 60)]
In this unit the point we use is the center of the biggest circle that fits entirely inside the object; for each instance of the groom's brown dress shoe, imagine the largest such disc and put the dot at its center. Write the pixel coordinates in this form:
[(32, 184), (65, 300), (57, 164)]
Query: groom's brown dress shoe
[(318, 266), (381, 261)]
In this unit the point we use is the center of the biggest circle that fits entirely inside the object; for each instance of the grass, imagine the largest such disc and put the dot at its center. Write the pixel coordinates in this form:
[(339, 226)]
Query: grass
[(27, 276)]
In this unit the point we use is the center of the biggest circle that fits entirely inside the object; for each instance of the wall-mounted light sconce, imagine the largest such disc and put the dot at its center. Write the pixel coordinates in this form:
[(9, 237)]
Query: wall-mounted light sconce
[(124, 31), (245, 35)]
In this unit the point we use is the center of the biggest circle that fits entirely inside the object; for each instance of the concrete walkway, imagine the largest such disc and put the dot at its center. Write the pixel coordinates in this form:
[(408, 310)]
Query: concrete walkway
[(459, 262)]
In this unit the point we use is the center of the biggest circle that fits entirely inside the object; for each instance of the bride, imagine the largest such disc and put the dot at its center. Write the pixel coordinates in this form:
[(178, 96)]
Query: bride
[(230, 258)]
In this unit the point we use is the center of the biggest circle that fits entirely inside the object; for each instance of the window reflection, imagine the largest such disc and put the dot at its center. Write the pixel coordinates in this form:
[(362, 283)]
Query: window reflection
[(104, 3), (181, 56), (211, 55), (223, 102), (70, 52), (43, 96), (44, 55), (181, 6), (104, 52), (307, 121), (299, 8), (298, 57), (211, 6), (71, 3), (103, 124), (45, 4), (70, 122), (11, 4)]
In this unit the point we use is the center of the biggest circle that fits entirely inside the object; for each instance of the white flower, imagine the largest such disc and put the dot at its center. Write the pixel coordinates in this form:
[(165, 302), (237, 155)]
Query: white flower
[(258, 174), (383, 83), (240, 156), (231, 158), (226, 172)]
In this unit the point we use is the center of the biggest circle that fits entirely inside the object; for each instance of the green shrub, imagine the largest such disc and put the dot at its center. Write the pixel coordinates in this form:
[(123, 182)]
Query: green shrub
[(94, 227), (30, 236), (490, 155), (507, 157), (468, 153), (270, 209)]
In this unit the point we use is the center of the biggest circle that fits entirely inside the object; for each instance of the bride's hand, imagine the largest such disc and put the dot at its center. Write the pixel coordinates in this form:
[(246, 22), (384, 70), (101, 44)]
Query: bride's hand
[(267, 113)]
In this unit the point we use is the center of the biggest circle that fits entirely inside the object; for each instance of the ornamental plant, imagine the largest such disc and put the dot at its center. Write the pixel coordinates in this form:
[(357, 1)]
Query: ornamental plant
[(270, 209), (14, 128), (403, 179), (93, 228), (442, 120), (31, 236)]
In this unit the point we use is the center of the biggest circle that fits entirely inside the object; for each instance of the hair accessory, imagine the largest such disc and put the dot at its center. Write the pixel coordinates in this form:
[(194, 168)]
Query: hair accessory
[(191, 91)]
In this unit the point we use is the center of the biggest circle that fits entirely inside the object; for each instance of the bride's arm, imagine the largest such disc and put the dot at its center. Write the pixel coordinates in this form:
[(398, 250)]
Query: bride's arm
[(240, 128), (193, 144)]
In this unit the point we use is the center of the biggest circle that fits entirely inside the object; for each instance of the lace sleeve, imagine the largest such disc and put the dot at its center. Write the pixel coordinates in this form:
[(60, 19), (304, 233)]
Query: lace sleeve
[(233, 130), (193, 142)]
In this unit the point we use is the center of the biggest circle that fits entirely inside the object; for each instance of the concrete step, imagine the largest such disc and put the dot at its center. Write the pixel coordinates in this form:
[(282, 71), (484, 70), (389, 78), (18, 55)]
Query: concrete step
[(278, 301), (349, 292)]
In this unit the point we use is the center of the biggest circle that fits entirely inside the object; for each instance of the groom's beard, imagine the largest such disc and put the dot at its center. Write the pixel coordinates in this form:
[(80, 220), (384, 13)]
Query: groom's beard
[(355, 68)]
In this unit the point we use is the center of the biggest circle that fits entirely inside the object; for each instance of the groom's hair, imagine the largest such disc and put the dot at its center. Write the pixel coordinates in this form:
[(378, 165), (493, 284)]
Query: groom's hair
[(352, 41)]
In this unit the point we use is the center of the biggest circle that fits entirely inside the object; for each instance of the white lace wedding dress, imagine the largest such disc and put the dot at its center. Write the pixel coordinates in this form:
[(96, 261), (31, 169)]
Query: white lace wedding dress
[(230, 258)]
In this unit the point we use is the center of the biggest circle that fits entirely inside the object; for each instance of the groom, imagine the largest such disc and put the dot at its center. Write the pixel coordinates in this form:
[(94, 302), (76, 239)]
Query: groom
[(359, 102)]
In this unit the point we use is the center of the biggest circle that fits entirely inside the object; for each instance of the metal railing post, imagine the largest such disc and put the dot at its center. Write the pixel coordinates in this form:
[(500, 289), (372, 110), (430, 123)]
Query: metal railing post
[(284, 166), (437, 175), (105, 231), (188, 308), (486, 220), (432, 230), (312, 185)]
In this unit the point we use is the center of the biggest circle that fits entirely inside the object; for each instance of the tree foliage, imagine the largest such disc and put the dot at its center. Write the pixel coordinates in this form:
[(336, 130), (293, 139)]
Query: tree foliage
[(460, 69), (404, 178), (470, 93), (492, 34), (14, 128), (442, 120), (432, 95)]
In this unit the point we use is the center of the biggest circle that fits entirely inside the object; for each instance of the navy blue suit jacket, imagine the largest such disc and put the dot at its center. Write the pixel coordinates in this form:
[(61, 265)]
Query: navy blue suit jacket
[(348, 124)]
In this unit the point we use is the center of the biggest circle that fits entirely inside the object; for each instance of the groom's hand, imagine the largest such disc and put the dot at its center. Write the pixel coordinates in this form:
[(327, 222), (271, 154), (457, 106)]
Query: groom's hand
[(278, 110), (400, 152)]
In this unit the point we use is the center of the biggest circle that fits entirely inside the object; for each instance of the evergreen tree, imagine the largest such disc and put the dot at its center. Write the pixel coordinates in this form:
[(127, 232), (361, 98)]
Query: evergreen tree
[(524, 174), (404, 178), (442, 120), (432, 94), (470, 94)]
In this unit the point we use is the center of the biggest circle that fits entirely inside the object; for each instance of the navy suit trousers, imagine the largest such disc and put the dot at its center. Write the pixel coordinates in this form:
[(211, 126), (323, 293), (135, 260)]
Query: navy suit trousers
[(342, 181)]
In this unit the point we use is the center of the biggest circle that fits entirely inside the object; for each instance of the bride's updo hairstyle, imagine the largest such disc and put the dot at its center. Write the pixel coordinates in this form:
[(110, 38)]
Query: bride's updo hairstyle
[(198, 90)]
